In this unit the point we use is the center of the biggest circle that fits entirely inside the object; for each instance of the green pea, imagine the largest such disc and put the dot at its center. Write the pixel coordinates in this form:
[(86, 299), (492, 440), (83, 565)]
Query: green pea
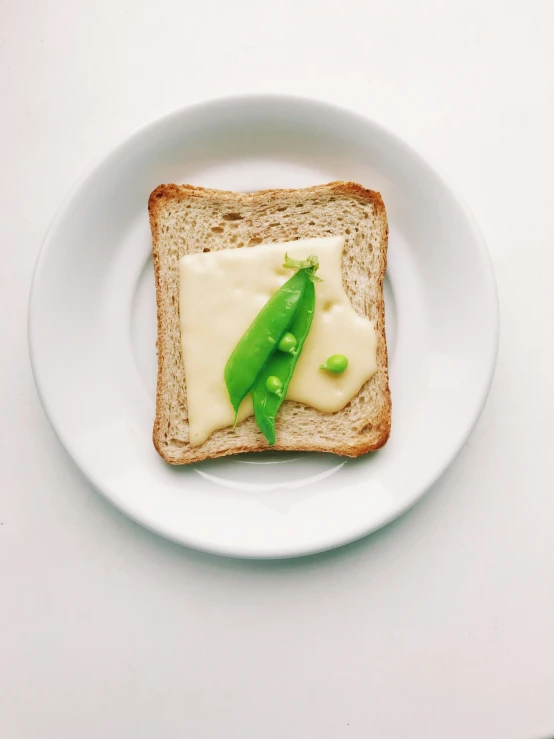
[(255, 364), (336, 364), (281, 365), (288, 343), (258, 344), (274, 385), (260, 340)]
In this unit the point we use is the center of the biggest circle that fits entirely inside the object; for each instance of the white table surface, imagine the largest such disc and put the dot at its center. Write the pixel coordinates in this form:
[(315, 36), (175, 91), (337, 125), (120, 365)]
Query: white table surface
[(440, 626)]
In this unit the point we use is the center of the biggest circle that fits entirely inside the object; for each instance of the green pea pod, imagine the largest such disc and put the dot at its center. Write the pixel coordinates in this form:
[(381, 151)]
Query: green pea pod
[(281, 365), (261, 339)]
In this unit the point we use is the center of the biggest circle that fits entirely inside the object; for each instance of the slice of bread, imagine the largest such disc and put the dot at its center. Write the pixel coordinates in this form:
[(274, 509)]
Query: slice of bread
[(187, 219)]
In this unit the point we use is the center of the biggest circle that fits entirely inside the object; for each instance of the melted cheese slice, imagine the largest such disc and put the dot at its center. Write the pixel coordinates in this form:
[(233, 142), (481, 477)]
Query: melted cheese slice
[(220, 295)]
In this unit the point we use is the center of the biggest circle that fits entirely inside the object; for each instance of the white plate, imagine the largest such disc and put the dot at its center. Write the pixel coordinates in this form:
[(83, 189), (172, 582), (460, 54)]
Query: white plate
[(92, 329)]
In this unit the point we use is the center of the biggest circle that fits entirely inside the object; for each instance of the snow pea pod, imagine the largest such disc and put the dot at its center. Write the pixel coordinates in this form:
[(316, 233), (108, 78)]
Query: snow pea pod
[(281, 365), (261, 338)]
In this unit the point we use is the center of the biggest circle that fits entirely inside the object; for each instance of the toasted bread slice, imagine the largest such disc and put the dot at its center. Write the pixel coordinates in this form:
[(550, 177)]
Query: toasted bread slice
[(187, 219)]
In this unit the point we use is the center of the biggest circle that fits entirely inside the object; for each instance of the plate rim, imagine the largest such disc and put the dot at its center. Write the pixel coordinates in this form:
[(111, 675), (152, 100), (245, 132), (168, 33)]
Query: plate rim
[(288, 99)]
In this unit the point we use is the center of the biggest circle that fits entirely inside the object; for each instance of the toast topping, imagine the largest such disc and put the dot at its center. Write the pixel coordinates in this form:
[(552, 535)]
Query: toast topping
[(222, 292)]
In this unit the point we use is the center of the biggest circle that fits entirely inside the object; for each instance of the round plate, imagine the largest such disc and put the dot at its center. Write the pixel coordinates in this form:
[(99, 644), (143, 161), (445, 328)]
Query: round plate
[(92, 329)]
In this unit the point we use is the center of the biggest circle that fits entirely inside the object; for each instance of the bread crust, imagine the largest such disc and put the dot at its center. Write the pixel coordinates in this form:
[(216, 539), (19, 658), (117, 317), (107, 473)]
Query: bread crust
[(369, 439)]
